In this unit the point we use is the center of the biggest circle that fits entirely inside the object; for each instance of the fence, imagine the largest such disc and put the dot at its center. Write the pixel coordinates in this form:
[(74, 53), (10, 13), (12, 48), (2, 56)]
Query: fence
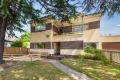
[(16, 50), (112, 55)]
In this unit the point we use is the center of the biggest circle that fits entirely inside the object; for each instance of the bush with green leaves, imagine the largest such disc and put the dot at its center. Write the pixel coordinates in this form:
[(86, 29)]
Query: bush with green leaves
[(16, 43), (24, 41), (96, 54)]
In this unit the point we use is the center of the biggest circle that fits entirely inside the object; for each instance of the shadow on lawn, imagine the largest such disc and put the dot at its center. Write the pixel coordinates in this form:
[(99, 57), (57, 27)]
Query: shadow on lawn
[(94, 68)]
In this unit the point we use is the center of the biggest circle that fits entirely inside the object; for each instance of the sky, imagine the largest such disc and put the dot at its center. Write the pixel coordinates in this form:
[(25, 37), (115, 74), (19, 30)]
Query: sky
[(110, 25)]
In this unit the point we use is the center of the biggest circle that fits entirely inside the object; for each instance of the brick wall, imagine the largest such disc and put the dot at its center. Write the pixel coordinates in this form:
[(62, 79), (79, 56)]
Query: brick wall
[(48, 45), (111, 45), (67, 45), (63, 45), (72, 45), (94, 25)]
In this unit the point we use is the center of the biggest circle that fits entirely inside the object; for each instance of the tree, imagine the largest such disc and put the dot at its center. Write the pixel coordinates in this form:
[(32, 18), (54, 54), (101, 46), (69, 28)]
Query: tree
[(16, 43), (24, 41), (25, 38), (15, 13), (109, 7)]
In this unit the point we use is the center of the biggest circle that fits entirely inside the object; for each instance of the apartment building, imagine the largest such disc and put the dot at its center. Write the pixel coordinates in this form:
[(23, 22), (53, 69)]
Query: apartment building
[(70, 38)]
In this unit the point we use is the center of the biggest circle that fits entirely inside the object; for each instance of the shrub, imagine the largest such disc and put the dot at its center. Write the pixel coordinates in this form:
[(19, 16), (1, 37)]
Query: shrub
[(17, 43), (96, 54), (88, 56)]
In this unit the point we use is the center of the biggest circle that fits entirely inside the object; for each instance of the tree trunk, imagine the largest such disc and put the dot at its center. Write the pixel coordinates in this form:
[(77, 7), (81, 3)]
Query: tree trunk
[(3, 25)]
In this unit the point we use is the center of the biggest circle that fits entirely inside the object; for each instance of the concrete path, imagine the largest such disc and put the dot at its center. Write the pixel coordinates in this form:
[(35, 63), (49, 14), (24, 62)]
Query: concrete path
[(76, 75)]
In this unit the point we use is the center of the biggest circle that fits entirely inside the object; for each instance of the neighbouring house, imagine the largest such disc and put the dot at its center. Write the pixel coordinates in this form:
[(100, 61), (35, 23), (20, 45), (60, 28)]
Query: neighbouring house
[(70, 38)]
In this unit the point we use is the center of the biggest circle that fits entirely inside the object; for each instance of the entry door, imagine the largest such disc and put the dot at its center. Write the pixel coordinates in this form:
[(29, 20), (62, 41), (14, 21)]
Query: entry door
[(57, 48)]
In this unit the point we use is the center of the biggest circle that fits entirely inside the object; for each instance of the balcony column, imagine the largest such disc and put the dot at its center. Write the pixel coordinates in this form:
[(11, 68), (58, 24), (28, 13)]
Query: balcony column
[(51, 36), (99, 45)]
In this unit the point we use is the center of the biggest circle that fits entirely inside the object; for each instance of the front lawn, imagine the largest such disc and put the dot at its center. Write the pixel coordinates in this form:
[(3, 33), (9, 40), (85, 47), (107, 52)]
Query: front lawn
[(36, 70), (94, 69)]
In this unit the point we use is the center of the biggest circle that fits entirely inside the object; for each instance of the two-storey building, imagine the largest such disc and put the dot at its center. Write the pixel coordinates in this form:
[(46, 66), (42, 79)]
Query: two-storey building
[(57, 37)]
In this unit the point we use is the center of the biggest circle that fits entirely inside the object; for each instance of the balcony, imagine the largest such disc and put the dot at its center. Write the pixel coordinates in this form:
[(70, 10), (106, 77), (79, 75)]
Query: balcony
[(43, 36), (72, 36)]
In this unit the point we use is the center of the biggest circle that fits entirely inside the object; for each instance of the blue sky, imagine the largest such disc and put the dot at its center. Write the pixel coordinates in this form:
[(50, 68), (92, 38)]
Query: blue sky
[(110, 25)]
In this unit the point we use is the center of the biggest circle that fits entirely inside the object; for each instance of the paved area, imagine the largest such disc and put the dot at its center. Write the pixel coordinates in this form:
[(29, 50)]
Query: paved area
[(76, 75)]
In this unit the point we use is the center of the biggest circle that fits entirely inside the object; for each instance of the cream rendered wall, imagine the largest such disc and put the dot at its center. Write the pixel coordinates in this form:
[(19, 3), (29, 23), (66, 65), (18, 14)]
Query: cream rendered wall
[(44, 36), (68, 37), (110, 39), (40, 36), (37, 37), (92, 35), (71, 51), (49, 51)]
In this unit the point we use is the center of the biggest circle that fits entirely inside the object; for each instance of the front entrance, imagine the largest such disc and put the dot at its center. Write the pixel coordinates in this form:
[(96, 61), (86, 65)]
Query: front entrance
[(57, 48)]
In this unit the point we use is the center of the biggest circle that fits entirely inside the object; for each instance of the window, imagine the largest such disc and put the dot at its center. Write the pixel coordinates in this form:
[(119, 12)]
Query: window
[(39, 45), (40, 28), (79, 28)]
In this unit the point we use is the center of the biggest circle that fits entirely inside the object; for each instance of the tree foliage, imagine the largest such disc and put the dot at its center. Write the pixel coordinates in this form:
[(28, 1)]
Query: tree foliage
[(24, 41), (109, 7), (19, 12), (16, 43)]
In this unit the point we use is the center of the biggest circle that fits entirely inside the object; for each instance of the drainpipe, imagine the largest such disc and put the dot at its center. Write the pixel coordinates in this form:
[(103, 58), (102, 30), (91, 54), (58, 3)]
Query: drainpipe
[(51, 37)]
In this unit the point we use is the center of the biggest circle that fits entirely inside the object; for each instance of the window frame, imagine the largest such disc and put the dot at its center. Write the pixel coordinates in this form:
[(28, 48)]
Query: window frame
[(79, 28), (41, 28)]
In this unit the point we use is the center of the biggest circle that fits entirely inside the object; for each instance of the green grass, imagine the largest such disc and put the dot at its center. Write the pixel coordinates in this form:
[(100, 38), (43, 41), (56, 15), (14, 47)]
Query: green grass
[(36, 70), (94, 69)]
